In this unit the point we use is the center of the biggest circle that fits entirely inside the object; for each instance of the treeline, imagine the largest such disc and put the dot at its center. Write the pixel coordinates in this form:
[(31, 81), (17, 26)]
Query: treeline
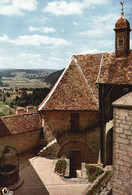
[(30, 99)]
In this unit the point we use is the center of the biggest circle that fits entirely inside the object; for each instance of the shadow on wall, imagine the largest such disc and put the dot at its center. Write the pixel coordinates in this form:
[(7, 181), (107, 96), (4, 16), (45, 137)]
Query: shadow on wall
[(87, 154), (4, 130), (109, 147)]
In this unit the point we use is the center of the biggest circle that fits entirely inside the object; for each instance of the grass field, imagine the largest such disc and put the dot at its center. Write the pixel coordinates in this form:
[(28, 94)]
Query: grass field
[(21, 82), (4, 109)]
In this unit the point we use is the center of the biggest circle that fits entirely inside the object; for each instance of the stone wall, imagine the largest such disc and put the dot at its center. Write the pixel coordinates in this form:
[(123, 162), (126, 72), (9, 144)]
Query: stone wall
[(122, 146), (87, 139), (59, 121), (21, 131), (24, 142)]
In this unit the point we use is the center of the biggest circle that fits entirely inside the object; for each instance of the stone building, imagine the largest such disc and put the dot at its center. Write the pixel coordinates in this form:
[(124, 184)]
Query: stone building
[(115, 80), (78, 111), (71, 112), (21, 131), (77, 115), (122, 145)]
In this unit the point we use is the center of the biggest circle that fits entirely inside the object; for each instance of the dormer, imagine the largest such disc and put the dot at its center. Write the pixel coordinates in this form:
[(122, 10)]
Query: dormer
[(122, 36)]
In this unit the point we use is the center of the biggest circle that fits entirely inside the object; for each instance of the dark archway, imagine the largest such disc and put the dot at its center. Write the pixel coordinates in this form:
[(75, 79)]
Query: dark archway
[(109, 147), (77, 152), (86, 151)]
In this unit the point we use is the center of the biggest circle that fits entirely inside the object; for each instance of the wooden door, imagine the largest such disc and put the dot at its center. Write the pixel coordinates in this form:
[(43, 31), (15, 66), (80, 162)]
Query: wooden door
[(75, 162)]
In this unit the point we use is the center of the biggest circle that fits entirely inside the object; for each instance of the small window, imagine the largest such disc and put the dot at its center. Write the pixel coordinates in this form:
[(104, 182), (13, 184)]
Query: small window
[(75, 121), (120, 42)]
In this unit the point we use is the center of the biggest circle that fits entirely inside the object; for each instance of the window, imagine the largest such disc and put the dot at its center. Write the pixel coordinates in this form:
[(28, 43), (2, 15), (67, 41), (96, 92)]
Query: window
[(75, 121), (120, 42)]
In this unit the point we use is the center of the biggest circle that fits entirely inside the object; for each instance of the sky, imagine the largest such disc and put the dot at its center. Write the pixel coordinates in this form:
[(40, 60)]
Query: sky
[(45, 34)]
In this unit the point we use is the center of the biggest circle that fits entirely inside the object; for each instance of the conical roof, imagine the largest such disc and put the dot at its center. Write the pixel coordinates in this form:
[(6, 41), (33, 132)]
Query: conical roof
[(122, 22)]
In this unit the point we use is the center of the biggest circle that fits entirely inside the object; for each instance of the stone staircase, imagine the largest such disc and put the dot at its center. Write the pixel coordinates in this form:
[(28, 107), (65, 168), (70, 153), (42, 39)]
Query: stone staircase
[(47, 150)]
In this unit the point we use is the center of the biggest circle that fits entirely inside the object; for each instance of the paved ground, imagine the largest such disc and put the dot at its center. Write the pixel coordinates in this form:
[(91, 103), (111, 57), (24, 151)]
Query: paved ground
[(40, 179)]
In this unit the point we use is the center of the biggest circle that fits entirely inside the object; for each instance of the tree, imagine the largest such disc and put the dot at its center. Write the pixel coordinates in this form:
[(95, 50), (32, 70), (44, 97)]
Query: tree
[(8, 94), (4, 99)]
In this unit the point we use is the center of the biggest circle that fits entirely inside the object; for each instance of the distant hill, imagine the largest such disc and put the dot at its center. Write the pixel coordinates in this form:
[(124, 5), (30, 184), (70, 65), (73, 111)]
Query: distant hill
[(30, 78), (52, 78), (13, 72)]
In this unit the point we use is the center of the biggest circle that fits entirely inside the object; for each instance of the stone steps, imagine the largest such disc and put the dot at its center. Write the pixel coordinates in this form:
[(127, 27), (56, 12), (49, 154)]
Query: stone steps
[(47, 149)]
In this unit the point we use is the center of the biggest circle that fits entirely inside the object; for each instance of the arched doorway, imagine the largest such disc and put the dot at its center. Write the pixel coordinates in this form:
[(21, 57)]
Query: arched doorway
[(75, 162), (77, 152)]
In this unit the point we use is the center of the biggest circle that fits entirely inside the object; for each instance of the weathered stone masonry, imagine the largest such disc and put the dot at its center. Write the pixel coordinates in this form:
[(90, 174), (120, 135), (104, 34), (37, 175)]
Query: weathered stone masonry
[(21, 131), (122, 148)]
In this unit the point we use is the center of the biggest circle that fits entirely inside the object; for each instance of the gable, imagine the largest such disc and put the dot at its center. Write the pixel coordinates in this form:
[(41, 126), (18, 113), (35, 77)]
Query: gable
[(76, 88)]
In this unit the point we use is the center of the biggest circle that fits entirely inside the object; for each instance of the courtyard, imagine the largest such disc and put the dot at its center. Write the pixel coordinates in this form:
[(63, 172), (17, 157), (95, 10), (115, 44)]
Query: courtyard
[(40, 178)]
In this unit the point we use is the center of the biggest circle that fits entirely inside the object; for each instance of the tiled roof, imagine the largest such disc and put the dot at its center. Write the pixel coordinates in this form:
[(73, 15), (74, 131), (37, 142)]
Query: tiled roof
[(116, 70), (122, 23), (19, 123), (76, 88)]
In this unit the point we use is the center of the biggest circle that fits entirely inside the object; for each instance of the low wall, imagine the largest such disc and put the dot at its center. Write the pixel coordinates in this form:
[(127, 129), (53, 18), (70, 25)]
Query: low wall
[(21, 131), (24, 142)]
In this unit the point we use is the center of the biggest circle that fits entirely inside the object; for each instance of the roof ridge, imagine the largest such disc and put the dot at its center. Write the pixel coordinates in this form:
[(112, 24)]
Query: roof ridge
[(100, 68), (89, 88), (53, 89)]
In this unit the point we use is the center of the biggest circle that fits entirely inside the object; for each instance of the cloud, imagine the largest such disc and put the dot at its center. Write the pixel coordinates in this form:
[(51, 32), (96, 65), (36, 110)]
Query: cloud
[(14, 7), (25, 4), (4, 38), (9, 10), (109, 18), (35, 40), (3, 2), (56, 62), (29, 60), (75, 23), (100, 27), (29, 56), (91, 51), (37, 20), (44, 19), (94, 32), (87, 3), (75, 7), (42, 29), (22, 60), (63, 8)]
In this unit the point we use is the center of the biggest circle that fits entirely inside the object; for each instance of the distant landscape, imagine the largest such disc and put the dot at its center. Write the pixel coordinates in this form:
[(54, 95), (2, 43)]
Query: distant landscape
[(20, 87)]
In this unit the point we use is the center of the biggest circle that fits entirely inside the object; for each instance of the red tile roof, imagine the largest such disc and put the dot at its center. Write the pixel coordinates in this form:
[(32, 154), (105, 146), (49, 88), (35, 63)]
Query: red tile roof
[(116, 70), (76, 88), (122, 23), (20, 123)]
